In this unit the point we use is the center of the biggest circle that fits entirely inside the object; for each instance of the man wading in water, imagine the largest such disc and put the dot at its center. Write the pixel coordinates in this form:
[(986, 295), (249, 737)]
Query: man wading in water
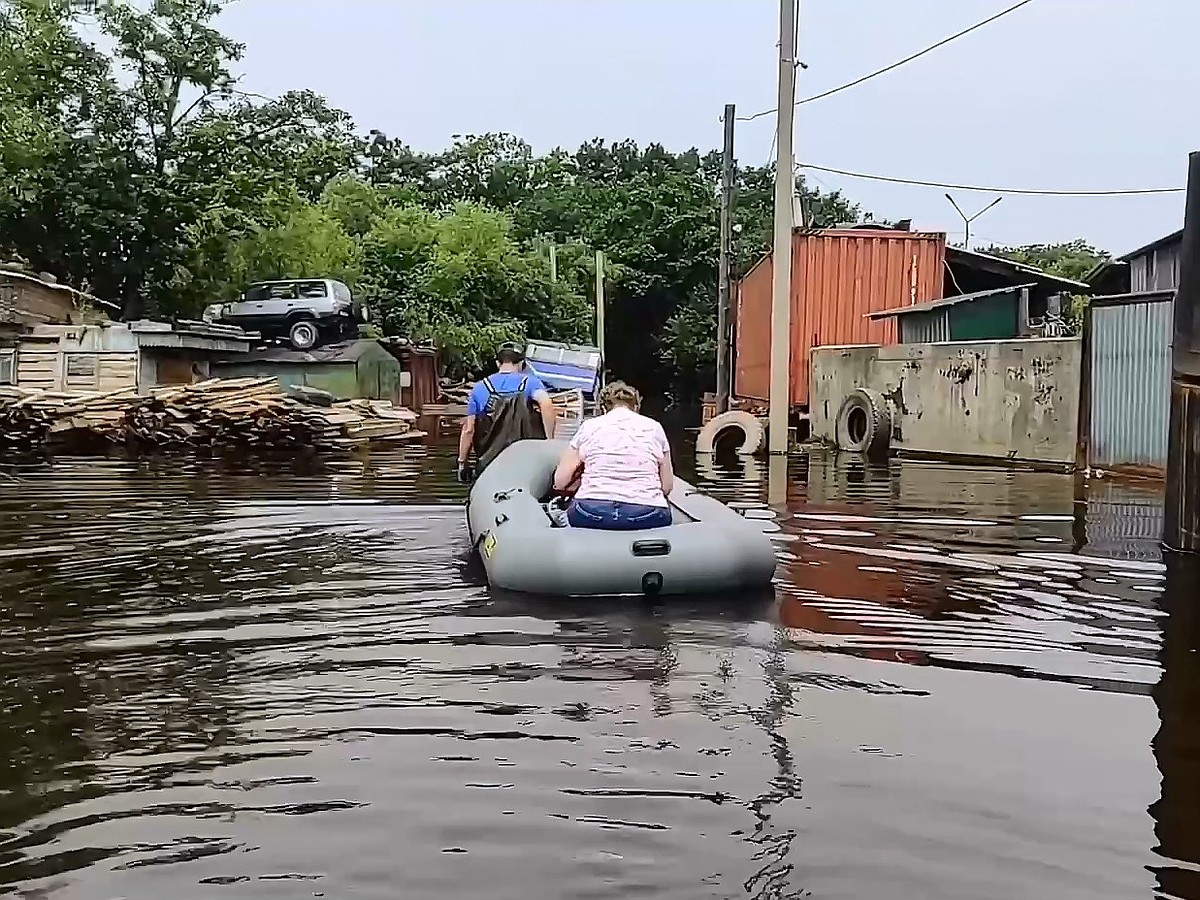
[(500, 412)]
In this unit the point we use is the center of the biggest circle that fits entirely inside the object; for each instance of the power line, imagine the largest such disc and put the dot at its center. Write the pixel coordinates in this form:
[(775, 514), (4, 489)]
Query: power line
[(895, 65), (1035, 192)]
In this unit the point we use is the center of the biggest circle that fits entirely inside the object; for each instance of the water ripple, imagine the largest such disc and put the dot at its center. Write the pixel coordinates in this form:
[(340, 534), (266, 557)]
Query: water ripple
[(276, 679)]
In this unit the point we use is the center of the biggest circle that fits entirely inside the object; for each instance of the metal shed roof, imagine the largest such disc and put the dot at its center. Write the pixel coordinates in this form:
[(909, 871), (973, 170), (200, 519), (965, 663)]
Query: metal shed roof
[(947, 301)]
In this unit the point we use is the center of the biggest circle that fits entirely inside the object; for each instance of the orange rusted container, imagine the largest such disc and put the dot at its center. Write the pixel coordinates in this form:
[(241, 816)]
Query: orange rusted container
[(838, 277)]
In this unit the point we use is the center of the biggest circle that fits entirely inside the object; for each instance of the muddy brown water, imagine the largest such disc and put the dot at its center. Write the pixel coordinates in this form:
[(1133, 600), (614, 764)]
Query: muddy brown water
[(280, 680)]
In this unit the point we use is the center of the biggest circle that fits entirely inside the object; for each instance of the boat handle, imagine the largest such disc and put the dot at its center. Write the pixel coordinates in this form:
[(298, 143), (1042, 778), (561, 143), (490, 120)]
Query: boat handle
[(651, 548)]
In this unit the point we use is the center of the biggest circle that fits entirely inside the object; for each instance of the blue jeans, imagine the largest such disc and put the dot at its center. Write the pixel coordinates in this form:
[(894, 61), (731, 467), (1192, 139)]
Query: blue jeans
[(613, 515)]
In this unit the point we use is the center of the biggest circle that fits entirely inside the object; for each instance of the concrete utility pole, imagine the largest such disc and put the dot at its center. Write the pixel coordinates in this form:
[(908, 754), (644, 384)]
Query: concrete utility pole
[(600, 307), (1182, 513), (553, 261), (724, 285), (781, 284)]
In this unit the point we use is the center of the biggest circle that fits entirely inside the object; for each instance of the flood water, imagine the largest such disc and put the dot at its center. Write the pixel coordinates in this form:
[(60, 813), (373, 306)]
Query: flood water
[(289, 681)]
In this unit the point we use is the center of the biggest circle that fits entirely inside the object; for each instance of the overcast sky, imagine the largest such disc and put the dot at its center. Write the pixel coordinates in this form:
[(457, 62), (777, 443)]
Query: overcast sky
[(1061, 94)]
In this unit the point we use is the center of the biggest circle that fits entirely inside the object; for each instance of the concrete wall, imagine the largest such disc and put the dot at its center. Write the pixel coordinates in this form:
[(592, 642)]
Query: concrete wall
[(1016, 400)]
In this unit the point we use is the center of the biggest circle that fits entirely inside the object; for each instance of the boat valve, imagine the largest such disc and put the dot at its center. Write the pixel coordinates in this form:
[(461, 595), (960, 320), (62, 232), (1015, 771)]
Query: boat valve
[(652, 583)]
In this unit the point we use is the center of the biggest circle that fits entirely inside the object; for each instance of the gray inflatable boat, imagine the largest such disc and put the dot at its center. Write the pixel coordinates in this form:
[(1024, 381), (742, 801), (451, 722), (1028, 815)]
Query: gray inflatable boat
[(708, 548)]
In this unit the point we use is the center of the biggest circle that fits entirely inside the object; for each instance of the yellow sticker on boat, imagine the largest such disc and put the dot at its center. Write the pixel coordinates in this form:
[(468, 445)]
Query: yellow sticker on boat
[(489, 545)]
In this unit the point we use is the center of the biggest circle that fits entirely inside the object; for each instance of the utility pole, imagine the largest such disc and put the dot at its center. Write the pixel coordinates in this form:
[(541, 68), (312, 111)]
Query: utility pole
[(724, 285), (600, 310), (781, 284), (1182, 513), (553, 261), (967, 220)]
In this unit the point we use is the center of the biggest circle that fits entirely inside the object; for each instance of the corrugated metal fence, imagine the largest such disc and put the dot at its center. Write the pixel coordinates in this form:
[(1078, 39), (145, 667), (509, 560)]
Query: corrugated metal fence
[(932, 327), (1130, 381)]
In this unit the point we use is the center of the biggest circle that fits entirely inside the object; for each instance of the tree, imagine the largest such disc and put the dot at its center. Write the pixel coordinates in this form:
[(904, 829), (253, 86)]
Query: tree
[(461, 278), (141, 172), (1071, 259)]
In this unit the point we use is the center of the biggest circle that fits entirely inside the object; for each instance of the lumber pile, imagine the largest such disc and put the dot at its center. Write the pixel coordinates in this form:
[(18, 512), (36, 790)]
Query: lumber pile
[(569, 403), (236, 413), (456, 393), (23, 427)]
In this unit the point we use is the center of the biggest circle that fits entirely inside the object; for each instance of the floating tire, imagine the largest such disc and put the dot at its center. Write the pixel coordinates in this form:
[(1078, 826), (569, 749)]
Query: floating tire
[(750, 427), (864, 424)]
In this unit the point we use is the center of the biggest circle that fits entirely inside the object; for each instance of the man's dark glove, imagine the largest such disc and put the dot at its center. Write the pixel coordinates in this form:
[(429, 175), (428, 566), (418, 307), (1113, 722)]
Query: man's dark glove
[(466, 474)]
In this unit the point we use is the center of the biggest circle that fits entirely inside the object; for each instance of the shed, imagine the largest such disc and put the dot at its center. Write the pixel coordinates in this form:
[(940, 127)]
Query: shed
[(995, 315), (420, 385), (348, 370), (1153, 267), (110, 356), (28, 300), (969, 272)]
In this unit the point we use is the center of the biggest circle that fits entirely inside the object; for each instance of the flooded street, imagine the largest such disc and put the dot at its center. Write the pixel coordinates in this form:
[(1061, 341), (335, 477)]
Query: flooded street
[(273, 681)]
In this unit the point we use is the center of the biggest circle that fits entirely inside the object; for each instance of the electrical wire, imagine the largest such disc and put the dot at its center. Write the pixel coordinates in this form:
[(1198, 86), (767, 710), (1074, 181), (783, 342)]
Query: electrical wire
[(895, 65), (1033, 192)]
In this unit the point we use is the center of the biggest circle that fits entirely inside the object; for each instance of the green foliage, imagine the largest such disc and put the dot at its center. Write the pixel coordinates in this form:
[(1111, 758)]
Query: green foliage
[(1071, 259), (308, 243), (461, 278), (142, 173)]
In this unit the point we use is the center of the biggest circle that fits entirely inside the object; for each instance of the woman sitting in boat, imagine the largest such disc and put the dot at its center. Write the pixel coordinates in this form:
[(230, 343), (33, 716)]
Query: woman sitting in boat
[(626, 467)]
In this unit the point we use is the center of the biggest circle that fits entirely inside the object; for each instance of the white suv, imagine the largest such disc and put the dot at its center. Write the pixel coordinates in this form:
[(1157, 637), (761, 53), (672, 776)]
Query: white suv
[(304, 310)]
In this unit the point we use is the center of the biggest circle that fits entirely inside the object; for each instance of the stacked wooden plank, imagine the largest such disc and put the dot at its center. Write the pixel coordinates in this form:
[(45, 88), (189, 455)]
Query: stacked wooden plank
[(569, 403), (456, 394), (237, 413), (24, 427)]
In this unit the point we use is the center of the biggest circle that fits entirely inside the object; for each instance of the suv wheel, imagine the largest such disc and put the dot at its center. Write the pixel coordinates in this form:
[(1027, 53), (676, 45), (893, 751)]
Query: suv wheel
[(304, 334)]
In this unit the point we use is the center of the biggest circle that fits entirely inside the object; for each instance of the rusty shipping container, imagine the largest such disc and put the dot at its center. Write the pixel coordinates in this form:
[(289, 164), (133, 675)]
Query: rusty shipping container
[(838, 277)]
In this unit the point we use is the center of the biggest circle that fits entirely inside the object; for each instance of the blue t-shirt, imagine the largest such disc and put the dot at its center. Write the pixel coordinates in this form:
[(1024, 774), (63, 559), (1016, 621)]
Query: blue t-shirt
[(502, 383)]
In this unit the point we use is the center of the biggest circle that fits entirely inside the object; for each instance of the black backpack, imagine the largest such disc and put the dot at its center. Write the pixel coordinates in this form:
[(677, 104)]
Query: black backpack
[(506, 419)]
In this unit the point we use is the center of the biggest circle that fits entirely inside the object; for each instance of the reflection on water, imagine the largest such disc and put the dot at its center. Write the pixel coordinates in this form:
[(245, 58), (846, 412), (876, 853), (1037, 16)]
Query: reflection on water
[(291, 681)]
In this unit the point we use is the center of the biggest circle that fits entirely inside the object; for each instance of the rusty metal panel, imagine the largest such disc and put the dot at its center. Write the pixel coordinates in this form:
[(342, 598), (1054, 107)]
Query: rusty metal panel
[(1130, 384), (752, 334), (842, 275), (838, 277)]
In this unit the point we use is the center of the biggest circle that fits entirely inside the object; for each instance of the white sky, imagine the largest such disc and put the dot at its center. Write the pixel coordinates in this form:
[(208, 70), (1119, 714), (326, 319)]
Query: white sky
[(1062, 94)]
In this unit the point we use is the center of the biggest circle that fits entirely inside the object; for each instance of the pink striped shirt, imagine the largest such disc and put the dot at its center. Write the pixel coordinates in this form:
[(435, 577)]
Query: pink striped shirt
[(621, 453)]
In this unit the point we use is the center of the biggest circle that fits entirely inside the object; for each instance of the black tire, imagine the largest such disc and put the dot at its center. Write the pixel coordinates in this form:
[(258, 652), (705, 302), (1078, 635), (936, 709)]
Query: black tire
[(864, 424), (303, 334)]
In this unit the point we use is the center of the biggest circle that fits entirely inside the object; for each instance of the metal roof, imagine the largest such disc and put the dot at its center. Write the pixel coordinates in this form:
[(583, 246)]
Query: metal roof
[(11, 272), (1153, 245), (1016, 267), (947, 301), (343, 352)]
